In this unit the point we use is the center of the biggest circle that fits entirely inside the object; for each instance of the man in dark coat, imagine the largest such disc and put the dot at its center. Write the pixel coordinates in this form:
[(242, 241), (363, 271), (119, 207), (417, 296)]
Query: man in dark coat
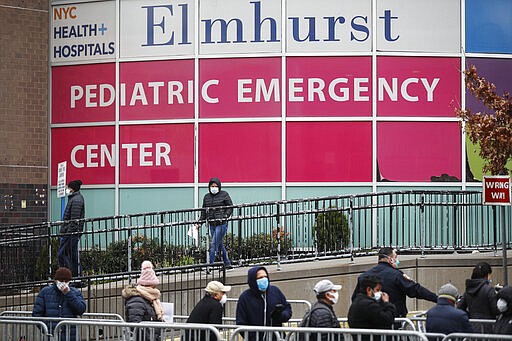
[(394, 282), (371, 308), (216, 215), (60, 300), (209, 309), (75, 209), (444, 317), (503, 323), (262, 304), (322, 314)]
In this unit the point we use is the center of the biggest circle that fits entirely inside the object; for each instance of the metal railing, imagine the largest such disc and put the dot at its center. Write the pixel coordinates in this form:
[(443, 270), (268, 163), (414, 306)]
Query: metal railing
[(265, 232)]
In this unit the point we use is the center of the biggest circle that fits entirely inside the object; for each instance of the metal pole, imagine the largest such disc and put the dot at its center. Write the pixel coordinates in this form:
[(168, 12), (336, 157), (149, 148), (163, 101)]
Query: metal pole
[(495, 244), (351, 224), (278, 268), (422, 222), (504, 245)]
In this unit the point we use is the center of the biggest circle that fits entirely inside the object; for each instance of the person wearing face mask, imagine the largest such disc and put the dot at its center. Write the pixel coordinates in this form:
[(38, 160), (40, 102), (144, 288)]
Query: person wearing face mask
[(503, 323), (371, 308), (263, 304), (216, 211), (396, 283), (322, 313), (69, 231), (479, 300), (60, 300), (444, 317), (209, 309)]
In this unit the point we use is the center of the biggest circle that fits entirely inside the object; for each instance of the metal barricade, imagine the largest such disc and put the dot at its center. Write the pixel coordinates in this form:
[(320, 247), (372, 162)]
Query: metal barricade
[(94, 316), (480, 326), (299, 308), (23, 330), (331, 334), (475, 337), (405, 323), (144, 331)]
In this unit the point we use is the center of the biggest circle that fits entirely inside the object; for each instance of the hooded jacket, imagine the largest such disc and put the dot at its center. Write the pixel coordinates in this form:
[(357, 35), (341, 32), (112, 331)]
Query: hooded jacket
[(256, 308), (479, 300), (503, 323), (138, 309), (213, 209)]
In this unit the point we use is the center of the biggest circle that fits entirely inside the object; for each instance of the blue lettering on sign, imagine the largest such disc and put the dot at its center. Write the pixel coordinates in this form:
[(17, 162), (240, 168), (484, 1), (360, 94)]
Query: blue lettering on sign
[(387, 25), (151, 25)]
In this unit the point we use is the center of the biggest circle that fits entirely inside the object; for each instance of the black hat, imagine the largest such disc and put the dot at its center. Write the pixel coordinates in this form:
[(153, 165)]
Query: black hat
[(75, 185)]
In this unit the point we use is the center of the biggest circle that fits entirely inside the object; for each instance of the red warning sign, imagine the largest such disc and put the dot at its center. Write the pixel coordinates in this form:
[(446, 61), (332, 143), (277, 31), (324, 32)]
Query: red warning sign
[(496, 190)]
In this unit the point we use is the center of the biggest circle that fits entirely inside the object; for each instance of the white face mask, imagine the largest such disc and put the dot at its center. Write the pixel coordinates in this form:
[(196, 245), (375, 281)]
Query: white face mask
[(502, 305), (68, 191), (223, 299), (377, 295), (334, 296), (214, 190)]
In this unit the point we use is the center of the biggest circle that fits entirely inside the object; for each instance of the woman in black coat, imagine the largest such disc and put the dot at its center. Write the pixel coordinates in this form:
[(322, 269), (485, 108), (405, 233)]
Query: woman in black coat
[(503, 324), (479, 300)]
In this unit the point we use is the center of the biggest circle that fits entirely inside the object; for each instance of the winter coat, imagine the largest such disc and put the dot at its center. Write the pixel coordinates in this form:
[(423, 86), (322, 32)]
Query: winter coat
[(51, 302), (208, 310), (255, 308), (321, 315), (445, 318), (75, 209), (397, 285), (503, 323), (138, 309), (479, 300), (211, 202), (367, 313)]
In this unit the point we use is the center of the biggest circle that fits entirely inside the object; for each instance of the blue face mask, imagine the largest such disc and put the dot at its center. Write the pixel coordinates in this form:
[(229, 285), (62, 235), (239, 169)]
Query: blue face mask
[(262, 283), (397, 262)]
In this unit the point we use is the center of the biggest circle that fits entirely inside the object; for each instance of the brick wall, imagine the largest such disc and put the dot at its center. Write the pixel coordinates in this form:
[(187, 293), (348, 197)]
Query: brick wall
[(23, 111)]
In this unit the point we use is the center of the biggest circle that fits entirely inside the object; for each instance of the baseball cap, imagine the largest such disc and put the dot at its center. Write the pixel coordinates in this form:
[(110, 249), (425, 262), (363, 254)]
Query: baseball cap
[(215, 286), (325, 285)]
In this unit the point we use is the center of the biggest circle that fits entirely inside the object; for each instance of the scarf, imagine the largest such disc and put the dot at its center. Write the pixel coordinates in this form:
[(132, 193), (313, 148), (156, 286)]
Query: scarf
[(152, 295)]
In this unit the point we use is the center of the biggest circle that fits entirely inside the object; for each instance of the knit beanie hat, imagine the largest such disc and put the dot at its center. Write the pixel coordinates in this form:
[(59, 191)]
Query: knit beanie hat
[(75, 185), (449, 291), (147, 275), (63, 275)]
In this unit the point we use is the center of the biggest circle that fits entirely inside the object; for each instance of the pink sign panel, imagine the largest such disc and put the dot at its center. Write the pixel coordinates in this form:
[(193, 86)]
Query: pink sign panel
[(83, 93), (419, 151), (418, 86), (240, 152), (156, 153), (89, 152), (240, 87), (328, 151), (157, 90), (329, 86)]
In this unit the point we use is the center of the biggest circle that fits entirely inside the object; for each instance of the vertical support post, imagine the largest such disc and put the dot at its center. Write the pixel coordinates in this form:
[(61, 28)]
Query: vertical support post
[(240, 214), (454, 223), (49, 251), (351, 225), (315, 234), (495, 230), (390, 220), (278, 229), (422, 222), (504, 245)]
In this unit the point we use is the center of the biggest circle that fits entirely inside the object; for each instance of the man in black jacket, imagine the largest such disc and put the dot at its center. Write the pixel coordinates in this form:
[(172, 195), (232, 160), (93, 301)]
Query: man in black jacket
[(322, 314), (75, 209), (209, 309), (371, 309), (394, 282), (216, 214)]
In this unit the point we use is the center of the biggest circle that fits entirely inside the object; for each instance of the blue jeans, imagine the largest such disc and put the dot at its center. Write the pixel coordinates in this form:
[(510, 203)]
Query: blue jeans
[(68, 254), (217, 233)]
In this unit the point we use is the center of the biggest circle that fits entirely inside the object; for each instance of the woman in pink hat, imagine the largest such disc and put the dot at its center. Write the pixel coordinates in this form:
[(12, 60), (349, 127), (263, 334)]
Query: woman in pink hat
[(142, 302)]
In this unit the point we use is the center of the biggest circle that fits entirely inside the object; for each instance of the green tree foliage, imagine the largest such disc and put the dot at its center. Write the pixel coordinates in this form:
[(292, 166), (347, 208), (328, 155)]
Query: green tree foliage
[(331, 230), (491, 130)]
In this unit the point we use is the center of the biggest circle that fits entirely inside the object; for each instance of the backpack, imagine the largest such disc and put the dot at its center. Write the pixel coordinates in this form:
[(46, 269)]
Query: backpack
[(306, 320)]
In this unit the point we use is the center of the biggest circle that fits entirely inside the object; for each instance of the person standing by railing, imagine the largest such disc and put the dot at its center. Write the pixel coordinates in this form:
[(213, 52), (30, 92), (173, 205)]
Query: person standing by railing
[(75, 209), (396, 283), (216, 215), (479, 300), (503, 324), (60, 300)]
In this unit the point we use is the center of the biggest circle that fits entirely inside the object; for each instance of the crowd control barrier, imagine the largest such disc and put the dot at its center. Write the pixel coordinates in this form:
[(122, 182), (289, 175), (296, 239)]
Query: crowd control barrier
[(475, 337), (23, 330), (480, 326), (94, 316)]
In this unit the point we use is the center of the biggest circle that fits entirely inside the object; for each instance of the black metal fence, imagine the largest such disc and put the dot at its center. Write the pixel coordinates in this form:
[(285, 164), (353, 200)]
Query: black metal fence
[(265, 232)]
